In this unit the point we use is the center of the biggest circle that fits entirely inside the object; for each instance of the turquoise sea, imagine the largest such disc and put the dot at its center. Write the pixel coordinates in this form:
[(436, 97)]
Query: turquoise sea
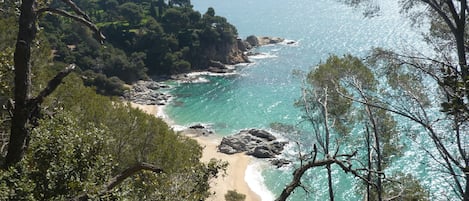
[(264, 92)]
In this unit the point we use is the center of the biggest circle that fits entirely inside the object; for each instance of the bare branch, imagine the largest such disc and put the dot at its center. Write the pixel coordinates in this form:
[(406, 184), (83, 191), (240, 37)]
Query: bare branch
[(54, 83), (121, 177), (98, 35), (77, 9), (442, 14)]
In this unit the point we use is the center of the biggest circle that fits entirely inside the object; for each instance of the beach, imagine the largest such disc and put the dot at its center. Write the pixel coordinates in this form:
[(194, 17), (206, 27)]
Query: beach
[(238, 163)]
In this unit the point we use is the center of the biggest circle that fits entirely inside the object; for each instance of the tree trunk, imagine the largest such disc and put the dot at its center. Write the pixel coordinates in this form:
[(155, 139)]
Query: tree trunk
[(368, 175), (466, 193), (20, 130), (329, 182)]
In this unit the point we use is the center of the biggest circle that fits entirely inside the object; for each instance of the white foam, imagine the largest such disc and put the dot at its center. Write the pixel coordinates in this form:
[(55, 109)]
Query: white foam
[(242, 64), (255, 181), (290, 43), (262, 56), (197, 75)]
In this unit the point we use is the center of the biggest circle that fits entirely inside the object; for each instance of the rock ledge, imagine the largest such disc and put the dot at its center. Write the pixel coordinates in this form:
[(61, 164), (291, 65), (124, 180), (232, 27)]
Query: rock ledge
[(254, 142)]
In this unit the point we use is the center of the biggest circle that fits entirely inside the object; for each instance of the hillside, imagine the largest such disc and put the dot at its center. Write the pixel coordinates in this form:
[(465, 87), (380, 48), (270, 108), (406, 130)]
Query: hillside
[(143, 38)]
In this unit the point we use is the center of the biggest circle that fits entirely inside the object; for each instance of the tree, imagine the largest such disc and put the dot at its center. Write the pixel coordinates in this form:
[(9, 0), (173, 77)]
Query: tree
[(327, 106), (26, 108), (132, 12), (449, 70)]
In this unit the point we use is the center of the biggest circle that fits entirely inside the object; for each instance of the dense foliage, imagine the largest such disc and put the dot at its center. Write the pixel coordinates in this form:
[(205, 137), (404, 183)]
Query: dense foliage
[(90, 138), (149, 37), (83, 140)]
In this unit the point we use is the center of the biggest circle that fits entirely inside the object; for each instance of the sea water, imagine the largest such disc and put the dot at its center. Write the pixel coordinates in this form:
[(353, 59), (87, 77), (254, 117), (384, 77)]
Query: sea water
[(264, 92)]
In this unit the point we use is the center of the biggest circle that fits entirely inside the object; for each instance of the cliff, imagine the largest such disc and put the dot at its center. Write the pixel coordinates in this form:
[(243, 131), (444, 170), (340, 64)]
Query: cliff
[(234, 52)]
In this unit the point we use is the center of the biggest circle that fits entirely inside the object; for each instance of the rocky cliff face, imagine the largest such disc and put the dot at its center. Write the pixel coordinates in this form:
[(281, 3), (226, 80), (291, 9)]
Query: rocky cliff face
[(234, 52), (226, 53)]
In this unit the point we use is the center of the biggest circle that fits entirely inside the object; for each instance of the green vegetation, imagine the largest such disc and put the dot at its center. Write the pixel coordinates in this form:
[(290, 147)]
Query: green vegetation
[(340, 105), (90, 138), (79, 144), (143, 38)]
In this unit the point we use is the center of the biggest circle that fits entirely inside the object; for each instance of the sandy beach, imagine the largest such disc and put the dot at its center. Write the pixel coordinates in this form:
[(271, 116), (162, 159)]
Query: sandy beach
[(238, 163)]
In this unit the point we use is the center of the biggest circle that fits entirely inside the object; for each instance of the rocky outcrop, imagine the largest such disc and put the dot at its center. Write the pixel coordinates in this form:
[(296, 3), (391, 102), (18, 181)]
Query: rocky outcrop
[(258, 143), (255, 41), (252, 40), (218, 67), (264, 40), (230, 53), (147, 93), (197, 130), (280, 162)]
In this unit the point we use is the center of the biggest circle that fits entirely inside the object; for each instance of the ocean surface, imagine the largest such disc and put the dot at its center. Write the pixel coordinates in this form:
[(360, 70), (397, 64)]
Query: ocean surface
[(264, 92)]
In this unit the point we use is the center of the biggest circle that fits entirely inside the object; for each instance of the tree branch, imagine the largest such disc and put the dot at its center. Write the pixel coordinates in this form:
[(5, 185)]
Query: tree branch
[(98, 35), (54, 83), (129, 172), (442, 14), (113, 182), (77, 9)]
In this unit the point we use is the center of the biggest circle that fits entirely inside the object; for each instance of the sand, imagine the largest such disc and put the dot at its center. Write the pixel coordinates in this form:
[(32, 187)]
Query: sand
[(238, 163)]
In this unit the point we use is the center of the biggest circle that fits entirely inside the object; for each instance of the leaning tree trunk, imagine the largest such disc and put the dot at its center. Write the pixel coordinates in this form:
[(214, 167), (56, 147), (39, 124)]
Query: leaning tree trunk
[(26, 109), (20, 129)]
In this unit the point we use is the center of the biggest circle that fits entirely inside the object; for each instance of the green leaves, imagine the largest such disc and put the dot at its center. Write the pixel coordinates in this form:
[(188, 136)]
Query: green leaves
[(335, 81), (66, 159)]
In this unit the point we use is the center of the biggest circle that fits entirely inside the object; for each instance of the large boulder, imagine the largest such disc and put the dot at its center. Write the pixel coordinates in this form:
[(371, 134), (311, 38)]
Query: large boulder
[(266, 40), (280, 162), (263, 151), (242, 45), (255, 142), (262, 134), (252, 40)]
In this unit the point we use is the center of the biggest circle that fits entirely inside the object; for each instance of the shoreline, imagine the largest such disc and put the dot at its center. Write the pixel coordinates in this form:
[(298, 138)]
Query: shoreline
[(238, 163)]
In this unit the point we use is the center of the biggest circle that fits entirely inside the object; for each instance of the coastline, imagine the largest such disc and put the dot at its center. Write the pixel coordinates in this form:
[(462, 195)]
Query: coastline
[(238, 163)]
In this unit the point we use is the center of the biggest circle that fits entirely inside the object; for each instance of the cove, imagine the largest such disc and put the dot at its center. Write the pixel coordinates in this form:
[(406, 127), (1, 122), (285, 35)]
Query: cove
[(264, 92)]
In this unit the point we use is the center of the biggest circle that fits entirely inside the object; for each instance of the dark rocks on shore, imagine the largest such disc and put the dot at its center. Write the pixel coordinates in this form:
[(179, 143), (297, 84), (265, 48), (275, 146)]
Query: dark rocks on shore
[(147, 93), (218, 67), (258, 143), (198, 130)]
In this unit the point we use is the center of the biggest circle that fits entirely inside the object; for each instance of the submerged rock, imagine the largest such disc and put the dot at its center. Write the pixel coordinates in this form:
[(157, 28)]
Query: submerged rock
[(258, 143), (280, 162)]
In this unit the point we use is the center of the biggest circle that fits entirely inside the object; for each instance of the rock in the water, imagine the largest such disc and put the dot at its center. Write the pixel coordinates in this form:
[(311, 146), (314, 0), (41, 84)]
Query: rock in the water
[(265, 40), (262, 134), (197, 126), (220, 70), (255, 142), (262, 152), (280, 162), (232, 145), (252, 40)]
